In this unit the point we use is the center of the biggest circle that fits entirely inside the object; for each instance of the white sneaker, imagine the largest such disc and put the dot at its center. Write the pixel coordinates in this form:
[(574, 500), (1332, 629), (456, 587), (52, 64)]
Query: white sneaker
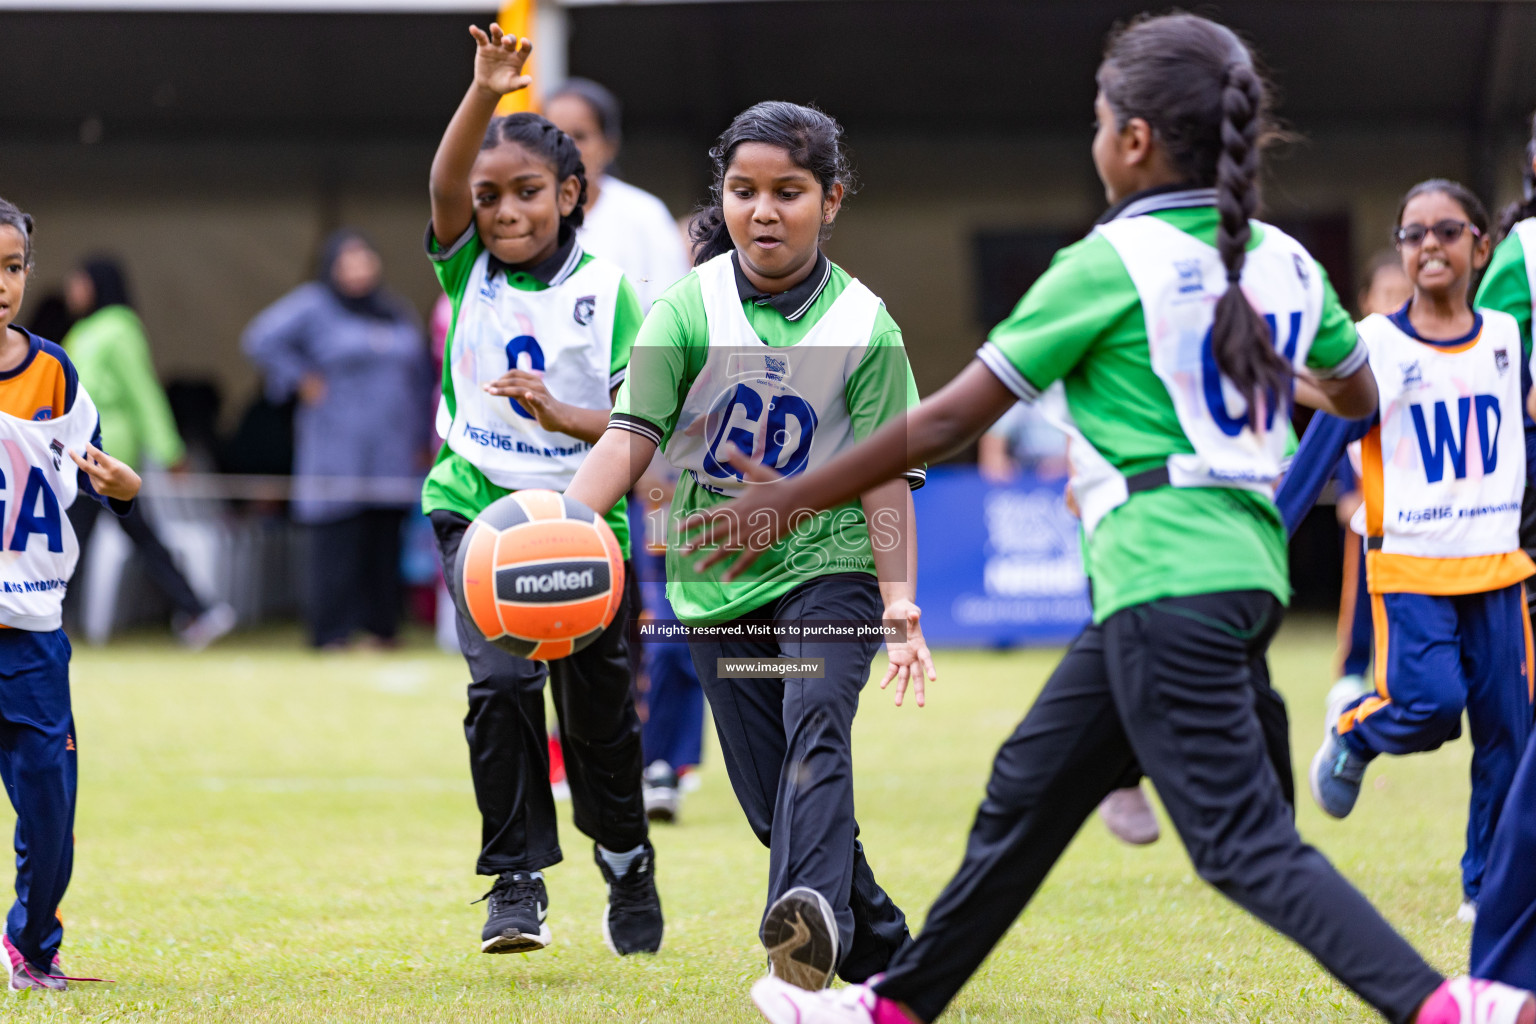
[(208, 627), (783, 1003), (1345, 690), (800, 934), (1467, 1000), (1467, 912), (1128, 814), (659, 787)]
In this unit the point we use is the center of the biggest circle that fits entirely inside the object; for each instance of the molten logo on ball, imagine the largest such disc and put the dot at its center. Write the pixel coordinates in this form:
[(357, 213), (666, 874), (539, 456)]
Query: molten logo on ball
[(539, 575)]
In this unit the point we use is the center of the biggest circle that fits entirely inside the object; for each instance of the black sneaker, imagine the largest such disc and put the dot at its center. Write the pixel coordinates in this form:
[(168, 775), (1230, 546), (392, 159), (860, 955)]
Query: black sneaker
[(514, 920), (632, 919), (800, 934)]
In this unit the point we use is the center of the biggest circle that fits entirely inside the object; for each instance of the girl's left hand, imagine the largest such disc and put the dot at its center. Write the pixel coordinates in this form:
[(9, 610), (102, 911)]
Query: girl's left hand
[(528, 389), (111, 478), (910, 659)]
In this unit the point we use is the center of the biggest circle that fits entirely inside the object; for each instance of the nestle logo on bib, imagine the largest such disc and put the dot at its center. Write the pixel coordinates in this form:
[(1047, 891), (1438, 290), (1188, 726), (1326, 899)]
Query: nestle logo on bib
[(552, 583)]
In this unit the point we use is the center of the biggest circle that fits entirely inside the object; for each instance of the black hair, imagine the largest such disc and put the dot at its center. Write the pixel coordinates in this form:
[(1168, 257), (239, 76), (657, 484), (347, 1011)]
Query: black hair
[(603, 103), (11, 216), (1462, 196), (1525, 206), (1195, 84), (813, 141), (540, 137), (109, 285)]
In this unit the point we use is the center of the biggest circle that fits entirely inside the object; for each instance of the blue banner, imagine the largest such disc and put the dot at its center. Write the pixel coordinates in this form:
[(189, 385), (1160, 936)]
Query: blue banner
[(998, 565)]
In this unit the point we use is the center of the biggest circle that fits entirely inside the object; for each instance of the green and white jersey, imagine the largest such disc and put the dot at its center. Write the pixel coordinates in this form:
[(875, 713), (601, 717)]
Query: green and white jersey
[(1174, 483), (1509, 283), (573, 318), (792, 379)]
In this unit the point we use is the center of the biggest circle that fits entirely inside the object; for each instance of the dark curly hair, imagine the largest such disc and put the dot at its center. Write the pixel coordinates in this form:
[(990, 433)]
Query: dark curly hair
[(813, 141), (539, 136), (11, 216)]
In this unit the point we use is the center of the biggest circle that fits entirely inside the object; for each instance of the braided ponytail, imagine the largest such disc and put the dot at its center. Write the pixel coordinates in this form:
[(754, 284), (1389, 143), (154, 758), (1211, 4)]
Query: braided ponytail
[(539, 136), (1240, 339), (1194, 83)]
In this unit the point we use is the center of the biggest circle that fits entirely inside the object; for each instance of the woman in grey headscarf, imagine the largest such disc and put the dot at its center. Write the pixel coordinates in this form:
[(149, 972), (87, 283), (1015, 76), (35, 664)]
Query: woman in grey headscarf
[(356, 357)]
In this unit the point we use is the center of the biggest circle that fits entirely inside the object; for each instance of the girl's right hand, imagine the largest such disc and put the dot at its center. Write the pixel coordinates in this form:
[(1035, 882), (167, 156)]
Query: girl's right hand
[(499, 60)]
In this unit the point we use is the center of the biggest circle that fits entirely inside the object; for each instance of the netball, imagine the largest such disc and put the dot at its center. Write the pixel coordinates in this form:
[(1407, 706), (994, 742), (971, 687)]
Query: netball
[(539, 575)]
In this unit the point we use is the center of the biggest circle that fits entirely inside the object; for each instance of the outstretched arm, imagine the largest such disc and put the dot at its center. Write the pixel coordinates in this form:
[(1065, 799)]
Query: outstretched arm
[(945, 422), (499, 61)]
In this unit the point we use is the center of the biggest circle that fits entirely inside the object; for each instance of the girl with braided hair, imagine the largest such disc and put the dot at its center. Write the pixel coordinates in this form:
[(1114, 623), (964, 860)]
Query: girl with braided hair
[(1167, 342), (539, 343)]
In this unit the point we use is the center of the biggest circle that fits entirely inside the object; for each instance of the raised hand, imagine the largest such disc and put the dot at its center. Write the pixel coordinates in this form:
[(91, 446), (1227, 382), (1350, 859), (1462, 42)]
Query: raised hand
[(499, 60), (910, 659)]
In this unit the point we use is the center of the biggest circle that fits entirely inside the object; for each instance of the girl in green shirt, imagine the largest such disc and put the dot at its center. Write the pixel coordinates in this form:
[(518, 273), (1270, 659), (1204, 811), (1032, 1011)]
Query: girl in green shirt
[(767, 346), (1167, 340)]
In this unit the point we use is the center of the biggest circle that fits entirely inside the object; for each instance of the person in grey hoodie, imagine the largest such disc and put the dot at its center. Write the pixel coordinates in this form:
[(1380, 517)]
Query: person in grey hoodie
[(356, 357)]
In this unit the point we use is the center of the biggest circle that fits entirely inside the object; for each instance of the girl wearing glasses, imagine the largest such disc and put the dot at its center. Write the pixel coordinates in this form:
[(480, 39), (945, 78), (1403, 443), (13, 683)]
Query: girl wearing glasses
[(1443, 472)]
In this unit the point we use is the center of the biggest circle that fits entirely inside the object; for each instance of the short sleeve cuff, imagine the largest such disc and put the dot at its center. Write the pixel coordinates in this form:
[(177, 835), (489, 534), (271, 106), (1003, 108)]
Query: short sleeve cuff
[(437, 255), (1347, 366), (617, 377), (915, 478), (993, 358), (636, 425)]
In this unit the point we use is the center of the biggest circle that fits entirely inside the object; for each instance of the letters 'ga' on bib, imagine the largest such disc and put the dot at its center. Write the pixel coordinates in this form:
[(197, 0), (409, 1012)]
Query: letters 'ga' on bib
[(38, 482), (1179, 280), (1444, 470), (565, 332), (786, 407)]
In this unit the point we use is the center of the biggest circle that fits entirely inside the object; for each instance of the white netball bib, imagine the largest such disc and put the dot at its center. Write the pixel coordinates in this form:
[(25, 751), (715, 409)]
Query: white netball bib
[(1180, 279), (1450, 463), (787, 407), (38, 482), (564, 332)]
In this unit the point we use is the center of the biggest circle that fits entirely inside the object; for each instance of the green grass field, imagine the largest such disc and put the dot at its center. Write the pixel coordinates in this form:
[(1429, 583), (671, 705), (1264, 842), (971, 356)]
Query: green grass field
[(266, 834)]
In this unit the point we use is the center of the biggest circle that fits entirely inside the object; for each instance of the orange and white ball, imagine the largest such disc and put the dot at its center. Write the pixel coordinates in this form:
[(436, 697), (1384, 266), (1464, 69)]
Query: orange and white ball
[(539, 575)]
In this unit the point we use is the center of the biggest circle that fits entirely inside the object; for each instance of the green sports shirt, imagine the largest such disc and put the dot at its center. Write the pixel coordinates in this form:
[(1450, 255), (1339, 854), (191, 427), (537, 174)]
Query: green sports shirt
[(670, 354), (454, 483), (1506, 286), (1082, 324)]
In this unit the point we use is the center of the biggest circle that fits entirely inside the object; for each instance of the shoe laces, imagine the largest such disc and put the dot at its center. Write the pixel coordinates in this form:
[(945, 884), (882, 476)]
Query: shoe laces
[(636, 890), (510, 890)]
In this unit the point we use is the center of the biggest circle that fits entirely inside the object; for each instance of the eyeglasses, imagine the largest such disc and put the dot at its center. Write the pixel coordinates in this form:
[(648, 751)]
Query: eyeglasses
[(1448, 231)]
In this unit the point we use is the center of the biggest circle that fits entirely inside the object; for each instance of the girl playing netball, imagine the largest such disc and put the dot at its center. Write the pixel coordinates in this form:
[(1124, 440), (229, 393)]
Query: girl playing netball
[(540, 338), (1154, 338), (45, 415), (1443, 469), (770, 348)]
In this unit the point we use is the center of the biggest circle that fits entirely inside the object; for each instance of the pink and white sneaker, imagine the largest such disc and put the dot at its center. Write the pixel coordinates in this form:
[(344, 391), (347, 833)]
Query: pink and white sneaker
[(24, 976), (783, 1003), (1467, 1000)]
